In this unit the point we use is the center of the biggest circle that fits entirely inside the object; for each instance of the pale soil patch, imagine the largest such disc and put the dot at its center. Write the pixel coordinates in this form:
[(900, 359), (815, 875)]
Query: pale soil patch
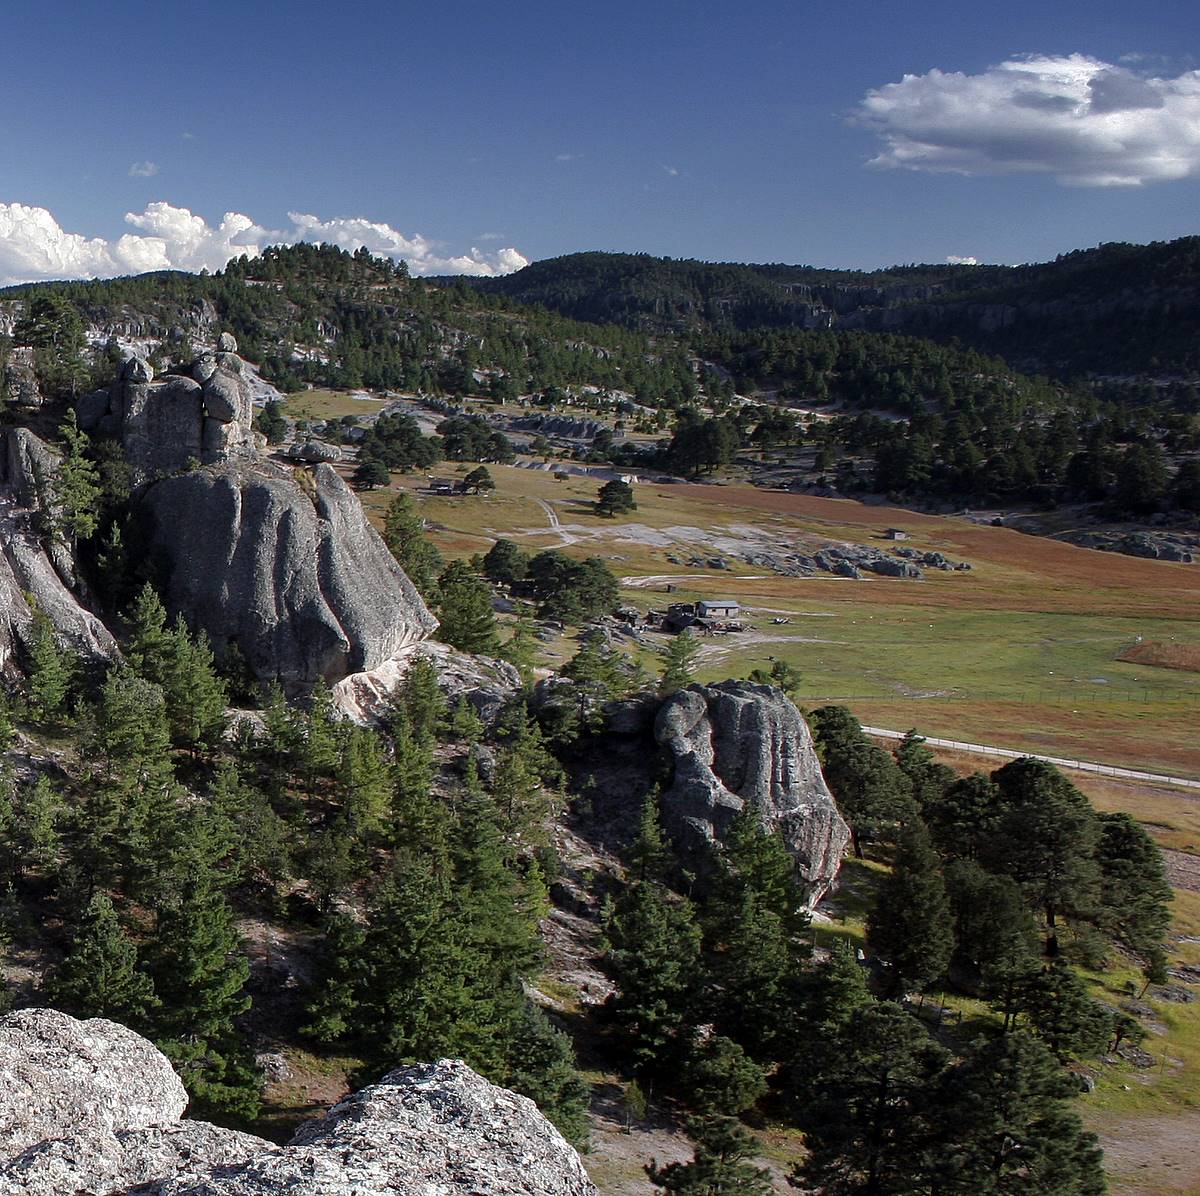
[(1151, 1156)]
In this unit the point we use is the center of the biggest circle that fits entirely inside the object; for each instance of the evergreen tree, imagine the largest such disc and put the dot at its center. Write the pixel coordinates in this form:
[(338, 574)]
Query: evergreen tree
[(543, 1069), (200, 975), (51, 671), (654, 957), (964, 818), (615, 498), (1058, 1008), (1134, 893), (364, 781), (149, 647), (421, 698), (649, 858), (465, 610), (505, 563), (99, 977), (465, 724), (719, 1165), (869, 1126), (521, 649), (35, 824), (404, 534), (195, 694), (679, 663), (909, 924), (76, 487), (1046, 841), (1008, 1127), (338, 981), (720, 1079)]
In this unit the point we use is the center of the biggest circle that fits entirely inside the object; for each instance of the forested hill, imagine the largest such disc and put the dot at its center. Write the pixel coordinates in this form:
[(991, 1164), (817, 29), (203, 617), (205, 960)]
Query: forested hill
[(1117, 309)]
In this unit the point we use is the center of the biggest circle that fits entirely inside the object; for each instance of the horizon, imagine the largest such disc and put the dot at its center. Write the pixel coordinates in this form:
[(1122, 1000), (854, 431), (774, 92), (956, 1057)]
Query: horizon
[(473, 141)]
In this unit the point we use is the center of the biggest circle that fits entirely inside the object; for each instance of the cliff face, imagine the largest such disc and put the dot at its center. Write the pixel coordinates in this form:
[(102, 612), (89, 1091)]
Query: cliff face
[(296, 577), (36, 571), (93, 1109), (737, 744)]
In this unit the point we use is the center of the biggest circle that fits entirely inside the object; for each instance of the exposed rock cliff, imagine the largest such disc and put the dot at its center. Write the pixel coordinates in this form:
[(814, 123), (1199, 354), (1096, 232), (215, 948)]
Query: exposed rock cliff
[(36, 571), (293, 574), (91, 1108), (736, 743)]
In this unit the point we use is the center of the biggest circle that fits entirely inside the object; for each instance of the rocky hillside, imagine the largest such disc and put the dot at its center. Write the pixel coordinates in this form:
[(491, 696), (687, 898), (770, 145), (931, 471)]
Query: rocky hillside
[(90, 1107), (1116, 309)]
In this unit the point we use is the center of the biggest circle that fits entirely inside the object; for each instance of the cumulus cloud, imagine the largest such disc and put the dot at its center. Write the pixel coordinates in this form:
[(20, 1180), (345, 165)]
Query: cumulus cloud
[(34, 246), (143, 170), (955, 260), (1080, 120)]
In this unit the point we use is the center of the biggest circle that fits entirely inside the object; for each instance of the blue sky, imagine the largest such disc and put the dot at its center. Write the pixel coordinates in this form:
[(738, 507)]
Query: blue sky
[(469, 136)]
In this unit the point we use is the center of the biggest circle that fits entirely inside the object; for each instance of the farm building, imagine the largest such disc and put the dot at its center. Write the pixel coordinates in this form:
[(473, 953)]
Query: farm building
[(895, 533), (718, 608)]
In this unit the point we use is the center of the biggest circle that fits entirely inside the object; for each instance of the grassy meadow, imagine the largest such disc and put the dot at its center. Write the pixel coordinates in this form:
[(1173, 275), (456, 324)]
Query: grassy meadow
[(1022, 651)]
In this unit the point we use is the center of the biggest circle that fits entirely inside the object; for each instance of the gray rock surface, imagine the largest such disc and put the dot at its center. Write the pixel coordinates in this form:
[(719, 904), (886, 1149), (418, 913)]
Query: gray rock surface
[(314, 450), (286, 566), (736, 743), (91, 1109), (32, 564), (20, 378)]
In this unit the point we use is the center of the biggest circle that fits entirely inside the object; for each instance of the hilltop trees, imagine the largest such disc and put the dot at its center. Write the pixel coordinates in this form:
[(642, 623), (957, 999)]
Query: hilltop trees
[(615, 498)]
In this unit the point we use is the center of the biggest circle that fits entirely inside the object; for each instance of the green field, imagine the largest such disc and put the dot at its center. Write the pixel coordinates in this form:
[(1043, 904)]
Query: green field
[(1020, 652)]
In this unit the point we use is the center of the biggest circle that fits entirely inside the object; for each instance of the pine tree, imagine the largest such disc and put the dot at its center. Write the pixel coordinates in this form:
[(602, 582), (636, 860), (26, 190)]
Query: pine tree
[(679, 664), (404, 534), (195, 694), (1008, 1127), (719, 1165), (1134, 893), (542, 1067), (200, 976), (99, 977), (720, 1079), (336, 988), (465, 724), (909, 924), (522, 649), (649, 858), (51, 671), (868, 1123), (149, 646), (365, 781), (421, 698), (321, 742), (654, 959), (465, 610), (1059, 1009), (35, 824), (76, 487)]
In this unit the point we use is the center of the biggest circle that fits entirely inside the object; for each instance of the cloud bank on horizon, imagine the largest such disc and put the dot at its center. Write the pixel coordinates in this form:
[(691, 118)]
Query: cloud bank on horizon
[(1082, 121), (35, 247)]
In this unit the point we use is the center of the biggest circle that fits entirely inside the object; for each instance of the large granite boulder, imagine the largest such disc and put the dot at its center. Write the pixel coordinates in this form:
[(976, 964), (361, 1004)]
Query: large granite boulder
[(285, 565), (737, 744), (92, 1108)]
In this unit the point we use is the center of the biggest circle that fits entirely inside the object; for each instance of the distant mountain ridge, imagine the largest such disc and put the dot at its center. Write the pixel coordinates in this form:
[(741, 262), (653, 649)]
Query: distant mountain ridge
[(1116, 309)]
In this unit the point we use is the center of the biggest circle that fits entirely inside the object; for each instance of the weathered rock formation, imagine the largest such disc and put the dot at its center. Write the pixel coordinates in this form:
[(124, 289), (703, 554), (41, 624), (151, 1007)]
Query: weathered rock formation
[(283, 565), (166, 424), (737, 743), (92, 1109), (280, 562), (36, 570), (20, 378)]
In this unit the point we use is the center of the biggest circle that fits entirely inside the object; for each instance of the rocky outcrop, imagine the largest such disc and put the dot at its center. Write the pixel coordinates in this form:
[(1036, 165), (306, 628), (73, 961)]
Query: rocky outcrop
[(487, 684), (285, 565), (20, 379), (170, 423), (92, 1108), (36, 570), (737, 744)]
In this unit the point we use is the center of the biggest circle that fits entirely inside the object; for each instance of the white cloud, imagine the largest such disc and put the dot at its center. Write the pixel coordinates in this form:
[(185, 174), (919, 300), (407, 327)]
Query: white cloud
[(34, 246), (567, 157), (673, 171), (143, 170), (955, 260), (1083, 121)]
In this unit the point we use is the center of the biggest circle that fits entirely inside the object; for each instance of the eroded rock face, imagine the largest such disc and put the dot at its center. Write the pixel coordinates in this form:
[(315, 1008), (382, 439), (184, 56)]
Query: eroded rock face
[(167, 424), (89, 1107), (20, 378), (736, 743), (287, 567), (33, 565)]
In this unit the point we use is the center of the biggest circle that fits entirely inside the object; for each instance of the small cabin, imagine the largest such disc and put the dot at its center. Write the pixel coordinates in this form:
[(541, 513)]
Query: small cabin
[(443, 486), (718, 608), (895, 533)]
